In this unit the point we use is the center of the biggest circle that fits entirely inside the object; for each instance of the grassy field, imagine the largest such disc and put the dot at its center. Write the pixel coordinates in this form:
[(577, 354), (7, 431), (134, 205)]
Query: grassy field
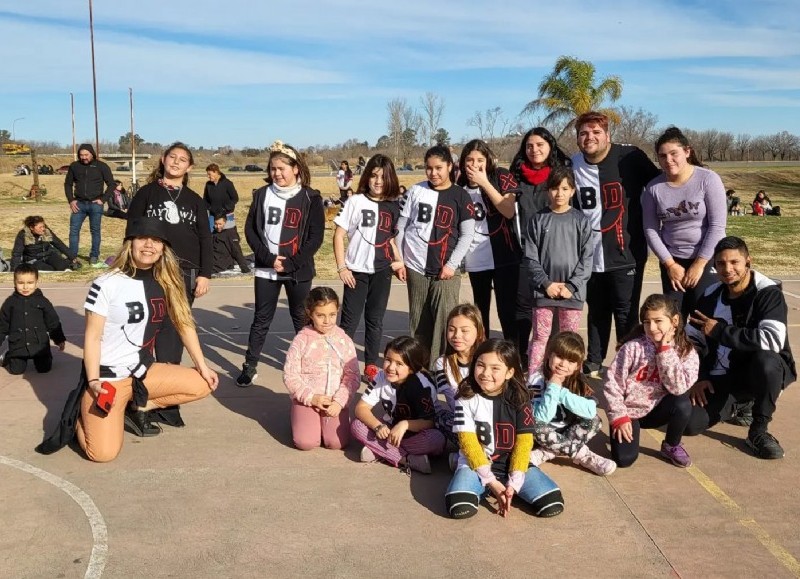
[(774, 242)]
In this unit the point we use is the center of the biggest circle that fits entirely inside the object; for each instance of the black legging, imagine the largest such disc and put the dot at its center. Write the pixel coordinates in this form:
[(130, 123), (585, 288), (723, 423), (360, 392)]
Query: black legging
[(674, 411), (759, 377), (53, 262), (504, 280), (687, 301)]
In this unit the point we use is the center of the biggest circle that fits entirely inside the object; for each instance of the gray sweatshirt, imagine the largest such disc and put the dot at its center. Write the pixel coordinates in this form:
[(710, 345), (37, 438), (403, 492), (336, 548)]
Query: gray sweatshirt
[(560, 250)]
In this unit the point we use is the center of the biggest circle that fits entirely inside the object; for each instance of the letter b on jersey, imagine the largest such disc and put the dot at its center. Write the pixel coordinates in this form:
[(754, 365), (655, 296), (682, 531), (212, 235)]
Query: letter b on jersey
[(367, 218), (425, 212), (135, 312), (273, 215)]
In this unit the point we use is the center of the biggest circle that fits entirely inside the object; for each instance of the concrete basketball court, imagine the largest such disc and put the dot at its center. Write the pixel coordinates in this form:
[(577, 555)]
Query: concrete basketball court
[(228, 496)]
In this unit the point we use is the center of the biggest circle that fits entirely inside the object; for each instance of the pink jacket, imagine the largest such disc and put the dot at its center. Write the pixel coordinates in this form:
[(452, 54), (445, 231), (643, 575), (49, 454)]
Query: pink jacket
[(639, 377), (321, 364)]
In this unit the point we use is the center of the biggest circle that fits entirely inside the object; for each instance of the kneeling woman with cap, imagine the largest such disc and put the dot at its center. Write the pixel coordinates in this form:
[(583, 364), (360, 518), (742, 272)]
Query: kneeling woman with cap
[(125, 310)]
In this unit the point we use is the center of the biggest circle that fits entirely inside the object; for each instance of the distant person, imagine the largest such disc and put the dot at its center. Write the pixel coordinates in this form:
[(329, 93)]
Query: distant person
[(29, 321), (610, 179), (88, 185), (685, 215), (227, 247), (344, 178), (733, 202), (118, 202), (362, 163), (220, 195), (740, 328), (38, 246), (762, 205)]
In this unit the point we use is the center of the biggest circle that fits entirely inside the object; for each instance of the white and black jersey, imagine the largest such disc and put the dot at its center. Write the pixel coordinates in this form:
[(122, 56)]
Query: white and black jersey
[(370, 225), (495, 243), (609, 194), (446, 382), (496, 423), (282, 228), (134, 309), (412, 400), (432, 225)]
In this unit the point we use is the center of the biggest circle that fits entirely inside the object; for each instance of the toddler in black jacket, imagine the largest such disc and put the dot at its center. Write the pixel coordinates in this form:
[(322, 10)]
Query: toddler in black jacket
[(30, 321)]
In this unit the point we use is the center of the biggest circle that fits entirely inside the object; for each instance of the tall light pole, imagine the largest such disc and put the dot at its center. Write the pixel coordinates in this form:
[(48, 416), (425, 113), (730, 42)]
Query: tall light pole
[(13, 127), (94, 84)]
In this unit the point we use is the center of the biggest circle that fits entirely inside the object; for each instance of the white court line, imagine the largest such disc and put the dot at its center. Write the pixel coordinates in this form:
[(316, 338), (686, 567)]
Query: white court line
[(99, 556)]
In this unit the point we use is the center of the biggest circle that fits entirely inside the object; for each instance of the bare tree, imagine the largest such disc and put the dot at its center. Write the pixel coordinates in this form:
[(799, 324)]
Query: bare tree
[(787, 144), (635, 127), (432, 110), (724, 144), (490, 124), (403, 124), (759, 148), (742, 146)]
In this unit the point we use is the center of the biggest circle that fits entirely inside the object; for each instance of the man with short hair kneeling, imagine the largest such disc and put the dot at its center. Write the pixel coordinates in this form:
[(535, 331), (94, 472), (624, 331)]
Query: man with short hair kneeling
[(739, 329)]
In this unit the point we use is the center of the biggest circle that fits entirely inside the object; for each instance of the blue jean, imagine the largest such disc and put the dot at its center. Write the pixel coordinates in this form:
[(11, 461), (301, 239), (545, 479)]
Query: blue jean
[(466, 491), (94, 211)]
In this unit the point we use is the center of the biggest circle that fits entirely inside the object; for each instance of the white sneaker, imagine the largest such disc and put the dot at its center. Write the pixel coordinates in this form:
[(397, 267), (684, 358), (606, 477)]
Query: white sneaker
[(594, 462), (541, 455), (367, 455)]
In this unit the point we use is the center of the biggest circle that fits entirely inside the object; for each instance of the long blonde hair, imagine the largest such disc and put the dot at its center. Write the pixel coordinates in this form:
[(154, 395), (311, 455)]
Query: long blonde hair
[(168, 275)]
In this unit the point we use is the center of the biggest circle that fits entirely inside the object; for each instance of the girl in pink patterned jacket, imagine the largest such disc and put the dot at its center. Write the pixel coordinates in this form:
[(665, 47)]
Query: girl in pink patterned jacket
[(648, 383), (321, 373)]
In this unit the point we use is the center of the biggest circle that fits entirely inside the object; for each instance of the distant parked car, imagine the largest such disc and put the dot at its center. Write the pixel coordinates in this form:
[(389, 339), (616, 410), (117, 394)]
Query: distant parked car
[(234, 169), (253, 169), (62, 170)]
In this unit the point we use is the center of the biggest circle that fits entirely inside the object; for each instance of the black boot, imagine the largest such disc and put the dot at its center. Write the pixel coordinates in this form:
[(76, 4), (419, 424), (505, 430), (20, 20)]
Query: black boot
[(138, 422)]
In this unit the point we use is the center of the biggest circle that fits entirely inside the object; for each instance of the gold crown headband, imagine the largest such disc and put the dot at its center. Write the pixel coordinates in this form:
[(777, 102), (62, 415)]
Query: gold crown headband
[(279, 147)]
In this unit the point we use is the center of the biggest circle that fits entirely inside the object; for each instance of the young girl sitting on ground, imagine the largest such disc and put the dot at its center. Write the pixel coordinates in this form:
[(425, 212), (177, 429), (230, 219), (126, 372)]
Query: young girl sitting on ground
[(465, 333), (321, 373), (648, 383), (406, 434), (565, 414), (494, 424)]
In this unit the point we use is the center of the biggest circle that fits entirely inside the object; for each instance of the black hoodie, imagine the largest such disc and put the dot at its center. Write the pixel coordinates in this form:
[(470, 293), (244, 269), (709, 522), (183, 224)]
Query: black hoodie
[(85, 182)]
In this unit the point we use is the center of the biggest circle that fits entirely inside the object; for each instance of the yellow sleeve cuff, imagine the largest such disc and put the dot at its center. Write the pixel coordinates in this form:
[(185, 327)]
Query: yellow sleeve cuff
[(521, 453), (473, 451)]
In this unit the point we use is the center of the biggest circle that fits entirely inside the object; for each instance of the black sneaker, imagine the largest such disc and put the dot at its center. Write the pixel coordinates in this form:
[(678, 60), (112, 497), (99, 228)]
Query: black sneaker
[(765, 446), (742, 414), (138, 422), (247, 376)]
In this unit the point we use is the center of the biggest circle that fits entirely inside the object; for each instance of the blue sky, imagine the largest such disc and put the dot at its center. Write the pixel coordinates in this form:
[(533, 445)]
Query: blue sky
[(309, 72)]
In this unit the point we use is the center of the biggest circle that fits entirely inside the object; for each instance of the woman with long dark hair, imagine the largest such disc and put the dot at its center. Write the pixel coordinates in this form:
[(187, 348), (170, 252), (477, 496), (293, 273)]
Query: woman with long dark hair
[(538, 153)]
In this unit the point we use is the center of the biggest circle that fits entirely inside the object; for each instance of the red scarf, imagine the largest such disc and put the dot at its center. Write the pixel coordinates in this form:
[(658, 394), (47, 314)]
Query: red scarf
[(534, 176)]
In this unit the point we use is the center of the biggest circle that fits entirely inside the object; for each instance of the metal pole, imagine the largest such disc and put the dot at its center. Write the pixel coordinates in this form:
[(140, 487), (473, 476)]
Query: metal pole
[(94, 84), (13, 127), (72, 108), (133, 144)]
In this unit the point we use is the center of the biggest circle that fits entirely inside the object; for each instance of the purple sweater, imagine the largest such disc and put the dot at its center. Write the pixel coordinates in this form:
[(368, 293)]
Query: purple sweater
[(685, 221)]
